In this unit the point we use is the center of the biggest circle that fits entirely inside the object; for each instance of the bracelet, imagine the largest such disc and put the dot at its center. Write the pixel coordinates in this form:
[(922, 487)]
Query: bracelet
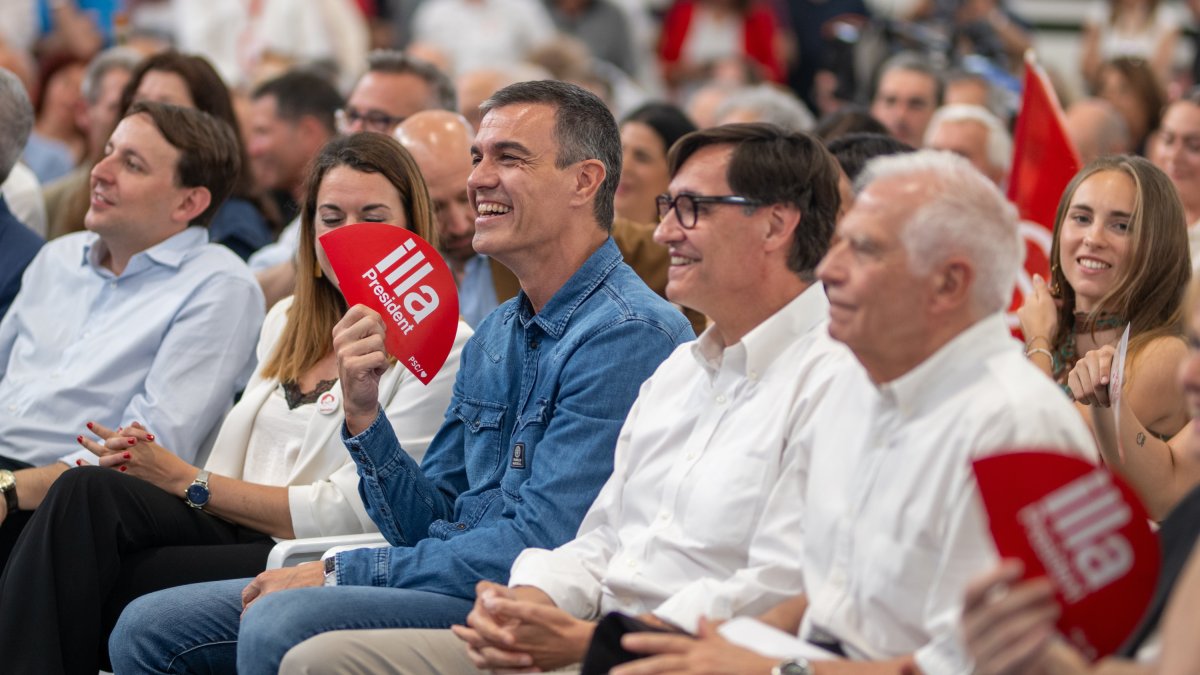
[(1035, 338), (1039, 350)]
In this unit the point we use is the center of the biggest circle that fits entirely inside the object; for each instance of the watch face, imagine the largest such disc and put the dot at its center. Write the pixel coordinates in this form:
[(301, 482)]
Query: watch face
[(6, 480), (197, 494)]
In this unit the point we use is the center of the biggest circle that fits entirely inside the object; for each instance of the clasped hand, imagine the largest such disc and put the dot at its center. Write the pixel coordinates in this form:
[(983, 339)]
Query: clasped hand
[(133, 449)]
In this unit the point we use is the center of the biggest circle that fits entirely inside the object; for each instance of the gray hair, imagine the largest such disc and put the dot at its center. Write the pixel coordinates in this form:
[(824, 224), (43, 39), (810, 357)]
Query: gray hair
[(771, 105), (963, 213), (115, 58), (999, 142), (392, 61), (17, 113), (584, 128)]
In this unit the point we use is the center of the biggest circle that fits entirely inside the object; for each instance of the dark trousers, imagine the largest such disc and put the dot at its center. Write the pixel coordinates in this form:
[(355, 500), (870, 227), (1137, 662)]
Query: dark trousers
[(98, 541)]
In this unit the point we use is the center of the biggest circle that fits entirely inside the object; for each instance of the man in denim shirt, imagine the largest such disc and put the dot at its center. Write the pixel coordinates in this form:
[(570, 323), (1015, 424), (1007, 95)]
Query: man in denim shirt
[(527, 442)]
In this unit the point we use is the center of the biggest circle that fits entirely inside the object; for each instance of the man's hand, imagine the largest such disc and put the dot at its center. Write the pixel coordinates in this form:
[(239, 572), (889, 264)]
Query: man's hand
[(1008, 627), (510, 630), (706, 654), (358, 341), (301, 576)]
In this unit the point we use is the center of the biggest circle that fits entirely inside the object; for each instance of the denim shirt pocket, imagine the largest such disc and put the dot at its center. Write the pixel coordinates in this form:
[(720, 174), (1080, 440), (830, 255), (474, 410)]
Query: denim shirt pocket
[(531, 427), (483, 423)]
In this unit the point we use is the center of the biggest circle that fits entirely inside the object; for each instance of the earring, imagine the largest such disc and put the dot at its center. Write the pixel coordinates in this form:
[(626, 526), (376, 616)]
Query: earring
[(317, 273), (1055, 287)]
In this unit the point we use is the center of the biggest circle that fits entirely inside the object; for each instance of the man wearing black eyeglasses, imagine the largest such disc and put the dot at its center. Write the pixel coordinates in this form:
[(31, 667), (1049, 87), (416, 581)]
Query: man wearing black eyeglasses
[(395, 87)]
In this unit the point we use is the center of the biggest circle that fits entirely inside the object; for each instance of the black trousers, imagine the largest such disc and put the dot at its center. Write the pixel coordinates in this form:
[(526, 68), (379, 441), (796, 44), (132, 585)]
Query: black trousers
[(100, 540)]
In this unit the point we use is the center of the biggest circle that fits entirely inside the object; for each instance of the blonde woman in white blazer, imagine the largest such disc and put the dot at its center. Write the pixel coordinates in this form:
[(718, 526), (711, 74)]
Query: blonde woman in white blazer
[(145, 520)]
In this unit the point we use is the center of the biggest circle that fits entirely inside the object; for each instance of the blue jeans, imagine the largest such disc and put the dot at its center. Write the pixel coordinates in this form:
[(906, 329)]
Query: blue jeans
[(195, 629)]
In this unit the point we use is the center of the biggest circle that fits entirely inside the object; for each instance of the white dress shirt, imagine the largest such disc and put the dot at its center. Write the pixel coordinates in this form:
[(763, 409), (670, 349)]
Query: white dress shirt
[(167, 343), (894, 527), (702, 513)]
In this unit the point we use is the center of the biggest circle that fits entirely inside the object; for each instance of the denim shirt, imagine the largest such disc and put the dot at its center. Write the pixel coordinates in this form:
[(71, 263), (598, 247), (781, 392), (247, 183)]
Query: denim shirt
[(527, 441)]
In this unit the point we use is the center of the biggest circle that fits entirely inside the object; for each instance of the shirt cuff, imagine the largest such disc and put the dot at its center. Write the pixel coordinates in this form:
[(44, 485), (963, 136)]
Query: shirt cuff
[(364, 566), (359, 445), (561, 576), (72, 459)]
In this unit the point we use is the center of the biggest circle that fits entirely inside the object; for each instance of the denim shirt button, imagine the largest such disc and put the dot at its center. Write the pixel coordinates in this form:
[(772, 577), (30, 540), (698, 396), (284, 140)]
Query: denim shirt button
[(460, 526), (533, 344)]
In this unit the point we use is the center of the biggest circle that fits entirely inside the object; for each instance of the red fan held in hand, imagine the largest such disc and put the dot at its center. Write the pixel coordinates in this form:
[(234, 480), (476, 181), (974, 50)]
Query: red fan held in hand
[(1084, 529), (401, 276)]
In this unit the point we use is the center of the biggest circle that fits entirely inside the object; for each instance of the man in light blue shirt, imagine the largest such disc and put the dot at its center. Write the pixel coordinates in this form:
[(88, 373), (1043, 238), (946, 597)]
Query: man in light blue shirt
[(138, 318)]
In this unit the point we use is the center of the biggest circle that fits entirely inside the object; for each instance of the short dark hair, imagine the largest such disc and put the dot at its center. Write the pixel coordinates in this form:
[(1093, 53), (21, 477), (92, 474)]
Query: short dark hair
[(913, 62), (853, 151), (668, 121), (300, 93), (208, 151), (584, 128), (399, 63), (774, 166), (850, 119)]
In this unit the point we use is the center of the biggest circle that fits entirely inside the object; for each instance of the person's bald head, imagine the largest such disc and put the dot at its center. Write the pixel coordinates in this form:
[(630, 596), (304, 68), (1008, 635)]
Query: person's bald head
[(440, 142), (476, 86), (1097, 129)]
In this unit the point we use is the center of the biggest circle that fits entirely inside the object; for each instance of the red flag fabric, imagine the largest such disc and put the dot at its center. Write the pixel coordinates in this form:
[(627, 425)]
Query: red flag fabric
[(405, 279), (1044, 162)]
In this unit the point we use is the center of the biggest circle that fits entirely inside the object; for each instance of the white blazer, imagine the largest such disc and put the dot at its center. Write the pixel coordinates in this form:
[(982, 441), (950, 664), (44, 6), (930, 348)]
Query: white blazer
[(323, 483)]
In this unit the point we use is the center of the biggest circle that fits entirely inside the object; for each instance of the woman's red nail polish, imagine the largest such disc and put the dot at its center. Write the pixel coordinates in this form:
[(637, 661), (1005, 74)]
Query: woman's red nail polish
[(132, 441), (79, 439), (89, 425), (79, 462), (128, 455), (150, 437), (123, 468)]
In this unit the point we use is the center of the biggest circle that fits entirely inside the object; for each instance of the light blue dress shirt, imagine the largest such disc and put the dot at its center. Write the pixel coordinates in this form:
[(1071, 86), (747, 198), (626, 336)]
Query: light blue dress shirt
[(166, 343), (476, 292)]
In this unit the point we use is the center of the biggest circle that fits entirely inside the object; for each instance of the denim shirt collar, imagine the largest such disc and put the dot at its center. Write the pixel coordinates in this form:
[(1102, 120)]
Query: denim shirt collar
[(555, 316), (170, 252)]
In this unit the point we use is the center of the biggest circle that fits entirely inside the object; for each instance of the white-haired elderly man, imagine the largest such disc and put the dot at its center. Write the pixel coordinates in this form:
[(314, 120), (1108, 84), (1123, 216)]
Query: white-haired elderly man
[(917, 280), (975, 133)]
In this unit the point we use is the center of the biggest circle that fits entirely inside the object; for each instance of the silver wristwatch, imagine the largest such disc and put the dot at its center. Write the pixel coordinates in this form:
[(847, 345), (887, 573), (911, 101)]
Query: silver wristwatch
[(797, 666), (330, 570)]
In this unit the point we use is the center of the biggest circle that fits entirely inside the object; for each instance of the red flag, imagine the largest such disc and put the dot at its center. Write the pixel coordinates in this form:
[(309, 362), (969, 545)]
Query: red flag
[(1044, 162)]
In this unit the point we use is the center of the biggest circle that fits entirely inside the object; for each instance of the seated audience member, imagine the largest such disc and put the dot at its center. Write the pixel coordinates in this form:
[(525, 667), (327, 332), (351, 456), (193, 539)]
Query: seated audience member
[(703, 102), (908, 91), (1137, 94), (970, 88), (1097, 129), (1119, 257), (917, 283), (278, 468), (18, 243), (527, 441), (103, 81), (1009, 624), (476, 86), (137, 319), (974, 133), (1177, 152), (851, 119), (647, 133), (700, 35), (241, 224), (56, 143), (602, 25), (394, 87), (1146, 30), (709, 465), (852, 153), (766, 103), (483, 33)]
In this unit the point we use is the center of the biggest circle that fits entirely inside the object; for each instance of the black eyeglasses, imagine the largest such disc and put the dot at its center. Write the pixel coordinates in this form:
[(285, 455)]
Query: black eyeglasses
[(687, 207), (372, 120)]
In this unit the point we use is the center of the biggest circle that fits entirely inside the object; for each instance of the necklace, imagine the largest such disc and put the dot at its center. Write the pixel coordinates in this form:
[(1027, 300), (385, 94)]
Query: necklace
[(1065, 357)]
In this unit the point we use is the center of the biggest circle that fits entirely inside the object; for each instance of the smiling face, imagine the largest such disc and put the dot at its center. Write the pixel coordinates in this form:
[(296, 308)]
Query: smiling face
[(515, 187), (277, 152), (1094, 238), (718, 263), (346, 197), (644, 173), (1177, 152), (134, 191), (874, 295)]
